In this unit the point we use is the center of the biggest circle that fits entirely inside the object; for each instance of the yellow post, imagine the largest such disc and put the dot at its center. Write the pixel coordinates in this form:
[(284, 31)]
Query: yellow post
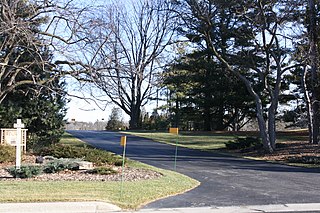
[(123, 143), (176, 132), (123, 140)]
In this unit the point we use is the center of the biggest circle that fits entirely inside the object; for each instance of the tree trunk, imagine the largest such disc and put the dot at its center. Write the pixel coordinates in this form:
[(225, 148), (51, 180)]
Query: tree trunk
[(207, 119), (313, 56), (264, 133), (177, 115), (220, 123), (134, 122), (272, 127), (263, 130), (207, 108), (308, 103)]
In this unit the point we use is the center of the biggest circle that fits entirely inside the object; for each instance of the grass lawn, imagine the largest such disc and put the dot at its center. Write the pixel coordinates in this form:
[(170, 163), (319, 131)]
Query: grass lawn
[(211, 140), (135, 193), (193, 140), (291, 144), (68, 139)]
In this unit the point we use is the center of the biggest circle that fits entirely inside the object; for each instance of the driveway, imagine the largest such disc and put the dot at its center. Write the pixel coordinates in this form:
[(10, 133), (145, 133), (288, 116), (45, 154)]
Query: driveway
[(225, 180)]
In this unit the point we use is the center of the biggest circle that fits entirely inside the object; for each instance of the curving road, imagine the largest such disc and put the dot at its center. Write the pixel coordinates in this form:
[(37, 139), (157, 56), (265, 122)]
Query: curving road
[(225, 180)]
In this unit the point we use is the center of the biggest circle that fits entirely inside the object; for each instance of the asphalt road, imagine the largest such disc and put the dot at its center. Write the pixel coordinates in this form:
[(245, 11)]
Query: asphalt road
[(225, 180)]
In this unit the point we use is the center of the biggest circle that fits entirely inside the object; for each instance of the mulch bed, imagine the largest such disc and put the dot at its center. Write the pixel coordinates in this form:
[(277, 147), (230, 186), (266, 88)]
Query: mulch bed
[(284, 151), (129, 174)]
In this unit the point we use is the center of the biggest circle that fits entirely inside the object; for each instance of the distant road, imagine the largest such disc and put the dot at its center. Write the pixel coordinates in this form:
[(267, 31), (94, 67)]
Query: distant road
[(225, 180)]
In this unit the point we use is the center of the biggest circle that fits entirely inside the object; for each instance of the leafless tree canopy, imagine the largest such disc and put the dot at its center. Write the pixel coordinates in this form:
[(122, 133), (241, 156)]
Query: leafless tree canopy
[(28, 36), (126, 50)]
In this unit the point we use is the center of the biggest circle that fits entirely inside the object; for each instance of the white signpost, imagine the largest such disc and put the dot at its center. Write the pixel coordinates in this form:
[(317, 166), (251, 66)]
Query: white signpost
[(19, 125)]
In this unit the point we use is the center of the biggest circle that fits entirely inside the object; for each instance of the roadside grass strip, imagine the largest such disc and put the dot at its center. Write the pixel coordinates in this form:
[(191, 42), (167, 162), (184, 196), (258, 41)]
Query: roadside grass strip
[(135, 193)]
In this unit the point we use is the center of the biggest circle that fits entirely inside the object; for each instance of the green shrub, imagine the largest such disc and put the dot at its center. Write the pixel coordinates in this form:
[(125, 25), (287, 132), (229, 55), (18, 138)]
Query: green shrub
[(305, 159), (64, 151), (60, 165), (242, 143), (95, 156), (7, 154), (103, 171), (27, 171), (119, 162)]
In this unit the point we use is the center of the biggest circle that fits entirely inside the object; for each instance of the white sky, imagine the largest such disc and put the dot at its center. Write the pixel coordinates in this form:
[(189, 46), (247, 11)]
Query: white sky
[(80, 110), (88, 110)]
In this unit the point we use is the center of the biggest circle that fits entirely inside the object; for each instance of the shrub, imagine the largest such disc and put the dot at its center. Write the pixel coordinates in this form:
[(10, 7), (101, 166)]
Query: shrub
[(242, 143), (60, 165), (7, 154), (103, 171), (64, 151), (119, 162), (27, 171), (95, 156), (305, 159)]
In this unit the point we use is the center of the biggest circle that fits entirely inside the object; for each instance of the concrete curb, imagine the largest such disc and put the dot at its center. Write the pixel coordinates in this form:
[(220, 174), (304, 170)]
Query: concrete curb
[(303, 207), (101, 207), (58, 207)]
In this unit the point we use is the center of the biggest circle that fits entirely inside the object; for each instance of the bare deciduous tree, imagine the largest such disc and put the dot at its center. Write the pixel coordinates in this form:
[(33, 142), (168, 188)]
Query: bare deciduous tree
[(125, 53), (28, 31)]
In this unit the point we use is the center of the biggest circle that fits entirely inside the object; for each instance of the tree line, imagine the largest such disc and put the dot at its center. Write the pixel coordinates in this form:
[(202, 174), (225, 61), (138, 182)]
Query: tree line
[(215, 63)]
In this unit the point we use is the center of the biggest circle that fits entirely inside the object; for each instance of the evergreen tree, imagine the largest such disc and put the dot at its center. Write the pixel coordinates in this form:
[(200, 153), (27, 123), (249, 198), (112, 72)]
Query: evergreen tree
[(207, 96), (248, 39), (115, 121), (43, 115), (29, 86)]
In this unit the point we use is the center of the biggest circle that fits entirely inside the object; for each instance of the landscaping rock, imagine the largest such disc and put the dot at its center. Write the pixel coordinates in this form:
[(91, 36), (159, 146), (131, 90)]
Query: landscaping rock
[(44, 159), (39, 159), (84, 165)]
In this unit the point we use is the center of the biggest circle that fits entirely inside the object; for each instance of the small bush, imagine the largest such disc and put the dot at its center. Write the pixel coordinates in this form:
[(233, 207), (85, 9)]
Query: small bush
[(95, 156), (27, 171), (60, 165), (64, 151), (305, 159), (242, 143), (103, 171), (7, 154), (119, 162)]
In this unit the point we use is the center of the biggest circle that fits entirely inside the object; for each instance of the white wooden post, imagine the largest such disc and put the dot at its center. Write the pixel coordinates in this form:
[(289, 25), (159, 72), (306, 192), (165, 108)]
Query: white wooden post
[(19, 125)]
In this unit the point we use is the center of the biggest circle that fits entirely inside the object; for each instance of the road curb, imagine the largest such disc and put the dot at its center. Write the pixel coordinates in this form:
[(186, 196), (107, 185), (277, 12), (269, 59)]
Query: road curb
[(299, 207), (58, 207), (101, 207)]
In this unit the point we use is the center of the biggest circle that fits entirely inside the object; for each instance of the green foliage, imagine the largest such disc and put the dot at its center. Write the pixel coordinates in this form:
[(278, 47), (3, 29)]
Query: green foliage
[(115, 121), (27, 171), (102, 170), (64, 151), (242, 143), (58, 165), (26, 64), (305, 159), (95, 156), (119, 162), (7, 154), (155, 121), (201, 92), (43, 116)]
